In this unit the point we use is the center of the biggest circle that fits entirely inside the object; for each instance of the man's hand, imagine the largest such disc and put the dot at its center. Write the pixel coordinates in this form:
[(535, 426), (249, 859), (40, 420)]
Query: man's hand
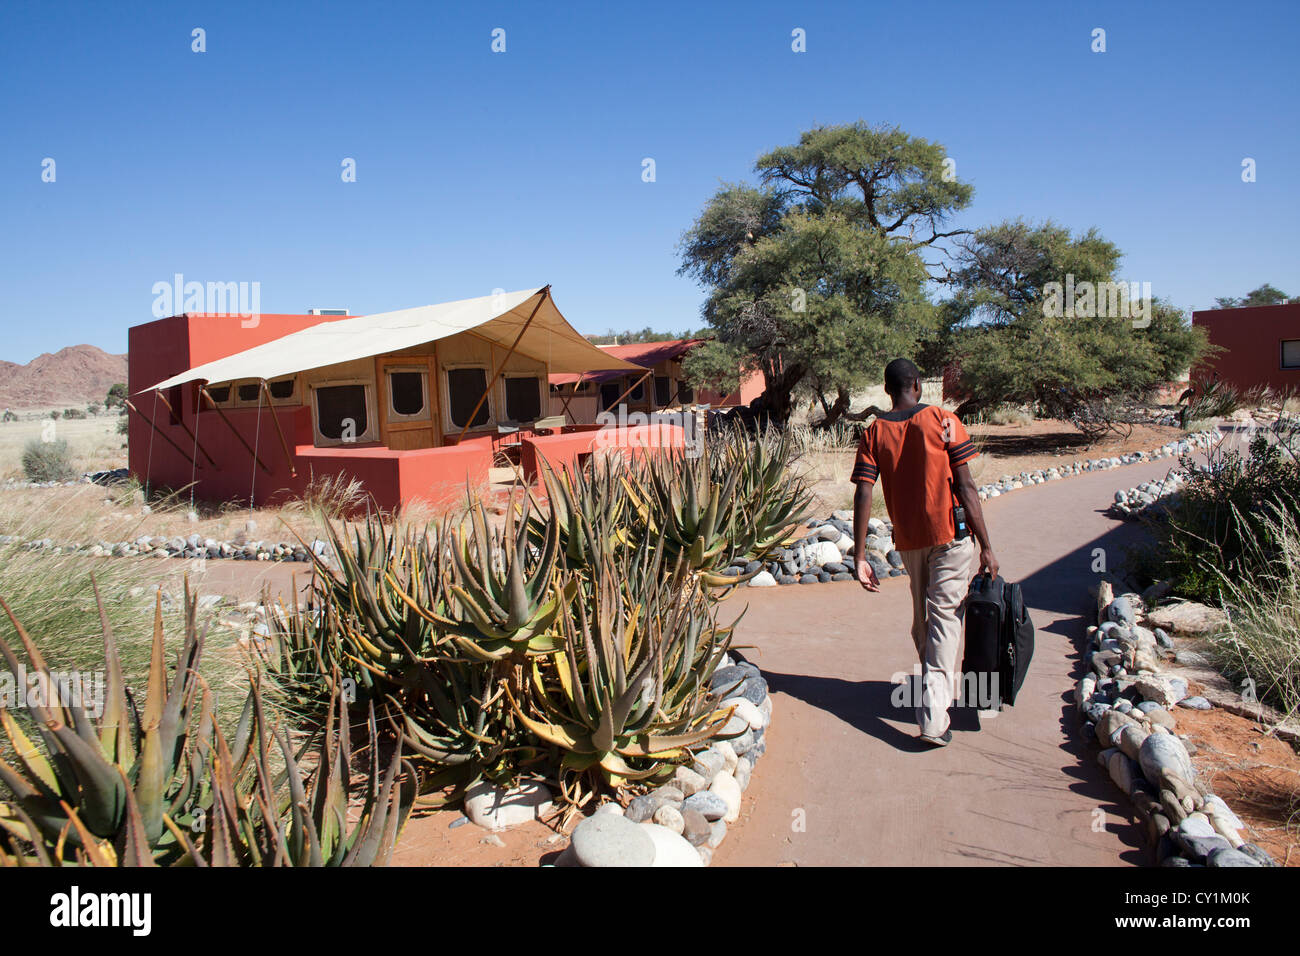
[(988, 562), (867, 575)]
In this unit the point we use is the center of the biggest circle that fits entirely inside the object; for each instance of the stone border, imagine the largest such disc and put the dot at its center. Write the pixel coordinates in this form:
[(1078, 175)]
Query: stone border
[(1124, 705), (683, 821), (1007, 483)]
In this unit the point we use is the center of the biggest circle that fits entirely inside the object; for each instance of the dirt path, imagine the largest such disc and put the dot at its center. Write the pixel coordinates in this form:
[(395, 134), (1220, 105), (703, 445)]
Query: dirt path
[(845, 763)]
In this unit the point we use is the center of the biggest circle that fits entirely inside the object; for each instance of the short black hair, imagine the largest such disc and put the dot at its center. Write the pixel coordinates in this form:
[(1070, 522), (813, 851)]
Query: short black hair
[(900, 374)]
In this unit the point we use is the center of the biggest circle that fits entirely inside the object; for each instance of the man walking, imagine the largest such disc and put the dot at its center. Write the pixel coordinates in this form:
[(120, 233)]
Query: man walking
[(923, 453)]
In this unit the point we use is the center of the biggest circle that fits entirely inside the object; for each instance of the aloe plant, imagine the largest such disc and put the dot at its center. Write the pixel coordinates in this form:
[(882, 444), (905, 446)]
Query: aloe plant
[(166, 786)]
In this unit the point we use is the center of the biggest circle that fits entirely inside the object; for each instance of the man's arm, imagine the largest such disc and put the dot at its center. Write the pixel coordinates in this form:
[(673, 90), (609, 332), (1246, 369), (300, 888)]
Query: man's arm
[(861, 515), (969, 497)]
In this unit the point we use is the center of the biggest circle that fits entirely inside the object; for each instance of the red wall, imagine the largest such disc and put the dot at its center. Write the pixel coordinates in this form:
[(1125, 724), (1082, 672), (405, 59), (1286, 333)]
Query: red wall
[(1252, 343), (158, 350)]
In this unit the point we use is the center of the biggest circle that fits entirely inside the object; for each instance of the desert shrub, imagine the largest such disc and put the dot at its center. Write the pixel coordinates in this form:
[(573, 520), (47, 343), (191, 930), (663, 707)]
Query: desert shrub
[(1009, 415), (1219, 524), (123, 425), (1262, 641), (69, 413), (47, 461), (8, 416), (1213, 399)]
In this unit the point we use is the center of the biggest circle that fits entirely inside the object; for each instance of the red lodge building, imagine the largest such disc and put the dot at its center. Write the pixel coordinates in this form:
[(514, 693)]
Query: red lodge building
[(1261, 346)]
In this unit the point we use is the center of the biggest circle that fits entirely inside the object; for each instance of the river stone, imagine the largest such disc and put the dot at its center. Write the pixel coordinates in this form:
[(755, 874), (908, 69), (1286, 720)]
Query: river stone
[(695, 828), (1230, 857), (1199, 848), (495, 809), (763, 579), (1162, 717), (670, 849), (742, 773), (1188, 618), (1123, 770), (726, 787), (606, 839), (644, 807), (1122, 610), (1129, 740), (708, 764), (717, 833), (754, 690), (670, 818), (1196, 825), (745, 742), (1195, 703), (1215, 807), (746, 711), (1161, 752), (688, 781), (710, 804), (729, 679), (1257, 854)]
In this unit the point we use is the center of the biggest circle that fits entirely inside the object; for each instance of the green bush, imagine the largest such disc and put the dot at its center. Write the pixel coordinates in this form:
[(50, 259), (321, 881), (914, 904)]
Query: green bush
[(1212, 400), (73, 413), (47, 461), (1220, 525)]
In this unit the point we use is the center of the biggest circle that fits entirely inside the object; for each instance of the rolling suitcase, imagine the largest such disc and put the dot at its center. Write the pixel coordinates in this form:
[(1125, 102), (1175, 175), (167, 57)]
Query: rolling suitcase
[(999, 643)]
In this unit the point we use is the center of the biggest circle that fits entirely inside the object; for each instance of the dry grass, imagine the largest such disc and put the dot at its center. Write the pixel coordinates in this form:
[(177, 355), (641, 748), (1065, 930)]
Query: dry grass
[(93, 443)]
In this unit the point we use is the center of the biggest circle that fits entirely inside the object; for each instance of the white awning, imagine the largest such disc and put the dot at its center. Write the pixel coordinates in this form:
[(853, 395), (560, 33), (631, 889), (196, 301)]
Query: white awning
[(549, 339)]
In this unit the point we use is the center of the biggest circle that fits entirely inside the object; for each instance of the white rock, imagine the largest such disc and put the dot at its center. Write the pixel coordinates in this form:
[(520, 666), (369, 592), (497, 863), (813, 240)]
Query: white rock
[(495, 809), (671, 849), (728, 754), (823, 552), (670, 818), (726, 787), (763, 579), (845, 543), (747, 712)]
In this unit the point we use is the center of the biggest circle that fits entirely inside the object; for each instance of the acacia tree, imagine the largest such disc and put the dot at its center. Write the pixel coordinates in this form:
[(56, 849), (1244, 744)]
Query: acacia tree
[(816, 276), (1264, 295), (1091, 368)]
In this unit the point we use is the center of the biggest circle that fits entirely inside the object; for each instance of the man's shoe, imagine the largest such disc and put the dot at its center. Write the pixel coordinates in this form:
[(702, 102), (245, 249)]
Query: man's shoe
[(989, 713), (943, 741)]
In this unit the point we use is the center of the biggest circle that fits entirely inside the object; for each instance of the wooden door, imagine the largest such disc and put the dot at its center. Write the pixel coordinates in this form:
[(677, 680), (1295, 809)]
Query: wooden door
[(408, 402)]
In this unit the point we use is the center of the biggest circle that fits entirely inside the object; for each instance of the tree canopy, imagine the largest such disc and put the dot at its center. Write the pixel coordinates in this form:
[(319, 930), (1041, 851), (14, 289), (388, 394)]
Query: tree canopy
[(1264, 295)]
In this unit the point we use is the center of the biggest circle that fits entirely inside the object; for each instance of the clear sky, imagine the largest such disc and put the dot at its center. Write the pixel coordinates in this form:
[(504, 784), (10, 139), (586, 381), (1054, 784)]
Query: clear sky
[(478, 170)]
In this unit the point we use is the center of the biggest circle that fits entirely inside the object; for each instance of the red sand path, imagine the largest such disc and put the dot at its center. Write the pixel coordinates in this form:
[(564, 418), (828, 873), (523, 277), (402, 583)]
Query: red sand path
[(1020, 791)]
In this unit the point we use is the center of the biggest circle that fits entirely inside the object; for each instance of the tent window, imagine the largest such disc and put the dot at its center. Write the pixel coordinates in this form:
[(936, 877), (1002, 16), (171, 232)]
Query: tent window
[(220, 394), (523, 399), (1291, 353), (282, 389), (406, 393), (609, 393), (249, 392), (464, 387), (685, 394), (663, 390), (638, 393), (341, 412)]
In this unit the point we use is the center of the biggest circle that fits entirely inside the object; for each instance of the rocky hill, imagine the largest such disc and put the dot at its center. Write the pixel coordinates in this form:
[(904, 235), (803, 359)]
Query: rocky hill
[(72, 376)]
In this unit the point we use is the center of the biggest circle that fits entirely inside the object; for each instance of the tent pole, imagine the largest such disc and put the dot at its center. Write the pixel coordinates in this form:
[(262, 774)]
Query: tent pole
[(564, 402), (266, 390), (616, 401), (181, 421), (155, 429), (501, 368), (203, 391)]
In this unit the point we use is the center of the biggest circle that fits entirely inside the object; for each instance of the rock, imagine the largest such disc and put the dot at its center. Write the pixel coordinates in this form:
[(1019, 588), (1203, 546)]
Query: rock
[(1122, 610), (670, 818), (645, 806), (708, 764), (746, 711), (1230, 857), (1164, 752), (763, 579), (1215, 807), (824, 552), (695, 828), (754, 690), (670, 849), (1196, 825), (745, 742), (726, 787), (495, 809), (1199, 848), (1105, 594), (1160, 689), (688, 781), (809, 578), (717, 833), (1129, 740), (606, 839), (1162, 717), (1255, 853), (1189, 618), (706, 855), (710, 804), (1195, 703), (742, 773), (728, 753), (1123, 770), (610, 807)]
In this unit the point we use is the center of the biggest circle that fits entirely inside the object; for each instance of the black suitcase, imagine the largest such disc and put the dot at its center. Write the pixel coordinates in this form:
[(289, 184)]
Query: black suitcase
[(999, 643)]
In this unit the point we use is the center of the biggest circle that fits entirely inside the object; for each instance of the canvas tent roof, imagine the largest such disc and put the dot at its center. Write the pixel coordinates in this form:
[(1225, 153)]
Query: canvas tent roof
[(498, 318), (644, 354)]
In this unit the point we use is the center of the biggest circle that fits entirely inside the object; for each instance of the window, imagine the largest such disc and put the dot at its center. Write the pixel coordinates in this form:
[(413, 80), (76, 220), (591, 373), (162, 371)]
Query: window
[(663, 390), (282, 389), (1291, 353), (464, 388), (250, 392), (408, 394), (343, 413), (685, 394), (220, 393), (638, 392), (609, 393), (523, 398)]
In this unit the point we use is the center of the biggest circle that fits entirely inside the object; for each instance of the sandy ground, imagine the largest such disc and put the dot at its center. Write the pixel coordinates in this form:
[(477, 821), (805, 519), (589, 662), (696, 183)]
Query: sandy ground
[(93, 442)]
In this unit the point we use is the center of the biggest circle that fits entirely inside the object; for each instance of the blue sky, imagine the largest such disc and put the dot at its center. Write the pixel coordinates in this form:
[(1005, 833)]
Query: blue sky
[(479, 170)]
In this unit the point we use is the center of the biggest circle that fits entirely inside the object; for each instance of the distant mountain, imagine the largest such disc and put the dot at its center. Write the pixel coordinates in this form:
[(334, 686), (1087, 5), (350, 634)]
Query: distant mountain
[(73, 376)]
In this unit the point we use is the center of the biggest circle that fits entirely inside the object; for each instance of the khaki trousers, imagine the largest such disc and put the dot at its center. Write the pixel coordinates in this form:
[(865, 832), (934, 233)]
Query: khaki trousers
[(940, 577)]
